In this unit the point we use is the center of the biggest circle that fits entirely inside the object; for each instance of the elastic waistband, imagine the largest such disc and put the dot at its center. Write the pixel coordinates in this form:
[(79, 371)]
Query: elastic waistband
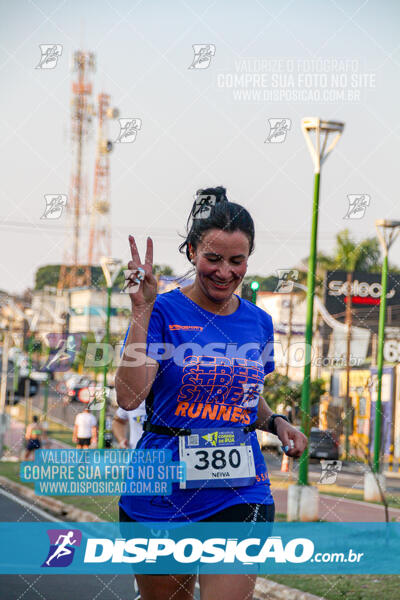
[(177, 431)]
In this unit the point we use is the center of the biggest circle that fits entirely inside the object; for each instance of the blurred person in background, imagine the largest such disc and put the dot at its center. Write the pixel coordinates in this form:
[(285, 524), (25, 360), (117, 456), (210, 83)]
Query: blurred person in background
[(134, 419), (33, 437), (85, 429)]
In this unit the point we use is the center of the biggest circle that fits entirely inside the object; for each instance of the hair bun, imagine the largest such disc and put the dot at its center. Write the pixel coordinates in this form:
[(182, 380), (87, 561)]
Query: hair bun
[(219, 193), (206, 200), (205, 215)]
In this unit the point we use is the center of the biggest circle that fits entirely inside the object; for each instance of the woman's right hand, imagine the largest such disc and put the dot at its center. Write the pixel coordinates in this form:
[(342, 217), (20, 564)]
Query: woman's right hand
[(147, 292)]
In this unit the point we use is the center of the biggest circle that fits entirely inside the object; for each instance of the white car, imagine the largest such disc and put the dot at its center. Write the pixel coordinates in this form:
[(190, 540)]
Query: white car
[(39, 376), (16, 356)]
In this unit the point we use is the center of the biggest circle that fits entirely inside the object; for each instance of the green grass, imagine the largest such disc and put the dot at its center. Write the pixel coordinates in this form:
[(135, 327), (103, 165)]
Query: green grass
[(62, 436), (392, 502), (281, 517), (344, 587)]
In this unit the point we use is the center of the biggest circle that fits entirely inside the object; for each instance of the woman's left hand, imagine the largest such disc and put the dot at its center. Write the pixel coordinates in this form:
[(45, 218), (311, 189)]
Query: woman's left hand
[(287, 432)]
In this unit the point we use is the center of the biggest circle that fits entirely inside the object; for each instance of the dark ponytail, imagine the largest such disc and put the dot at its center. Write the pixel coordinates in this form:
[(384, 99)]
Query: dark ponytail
[(212, 210)]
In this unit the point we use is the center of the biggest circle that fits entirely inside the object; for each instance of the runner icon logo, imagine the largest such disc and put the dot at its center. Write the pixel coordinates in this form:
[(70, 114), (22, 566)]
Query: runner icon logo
[(251, 394), (358, 204), (212, 438), (50, 53), (128, 130), (203, 54), (61, 551), (278, 129)]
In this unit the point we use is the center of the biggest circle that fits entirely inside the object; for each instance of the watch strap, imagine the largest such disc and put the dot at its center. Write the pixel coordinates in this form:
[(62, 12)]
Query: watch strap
[(271, 422)]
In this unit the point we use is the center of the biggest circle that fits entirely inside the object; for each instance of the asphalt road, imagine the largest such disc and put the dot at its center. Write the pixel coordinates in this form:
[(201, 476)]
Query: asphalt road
[(57, 410), (57, 587)]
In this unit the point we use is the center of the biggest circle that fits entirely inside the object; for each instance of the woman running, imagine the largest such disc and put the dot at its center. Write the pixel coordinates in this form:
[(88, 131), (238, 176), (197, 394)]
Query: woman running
[(207, 354)]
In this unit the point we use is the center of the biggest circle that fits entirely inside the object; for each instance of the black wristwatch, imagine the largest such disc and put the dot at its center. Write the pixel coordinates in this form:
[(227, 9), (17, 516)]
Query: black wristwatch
[(271, 422)]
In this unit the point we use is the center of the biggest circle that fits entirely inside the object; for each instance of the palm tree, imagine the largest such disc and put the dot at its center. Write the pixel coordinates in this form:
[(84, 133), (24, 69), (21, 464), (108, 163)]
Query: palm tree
[(162, 270), (350, 256)]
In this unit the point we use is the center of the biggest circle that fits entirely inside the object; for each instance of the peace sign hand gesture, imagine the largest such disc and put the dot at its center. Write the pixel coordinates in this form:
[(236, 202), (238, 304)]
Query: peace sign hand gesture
[(147, 292)]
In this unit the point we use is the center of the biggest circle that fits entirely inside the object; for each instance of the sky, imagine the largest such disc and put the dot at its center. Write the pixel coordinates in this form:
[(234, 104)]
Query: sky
[(201, 127)]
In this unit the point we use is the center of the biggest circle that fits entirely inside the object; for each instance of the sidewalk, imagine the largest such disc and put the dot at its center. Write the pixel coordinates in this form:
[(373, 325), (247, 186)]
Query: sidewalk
[(339, 510)]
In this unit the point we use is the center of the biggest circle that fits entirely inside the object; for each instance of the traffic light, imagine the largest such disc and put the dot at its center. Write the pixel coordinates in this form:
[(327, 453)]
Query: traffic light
[(254, 287)]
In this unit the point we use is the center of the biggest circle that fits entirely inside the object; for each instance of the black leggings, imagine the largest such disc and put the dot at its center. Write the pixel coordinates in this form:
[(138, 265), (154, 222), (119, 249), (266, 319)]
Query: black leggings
[(238, 513)]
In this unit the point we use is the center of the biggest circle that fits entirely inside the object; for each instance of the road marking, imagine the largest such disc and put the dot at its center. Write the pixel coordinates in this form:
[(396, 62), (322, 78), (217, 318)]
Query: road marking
[(31, 507)]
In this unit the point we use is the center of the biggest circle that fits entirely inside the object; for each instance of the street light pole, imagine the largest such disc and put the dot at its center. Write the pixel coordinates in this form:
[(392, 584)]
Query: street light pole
[(111, 267), (27, 389), (319, 154), (305, 391), (103, 411), (254, 287), (3, 389), (302, 502), (392, 229), (348, 404), (46, 389)]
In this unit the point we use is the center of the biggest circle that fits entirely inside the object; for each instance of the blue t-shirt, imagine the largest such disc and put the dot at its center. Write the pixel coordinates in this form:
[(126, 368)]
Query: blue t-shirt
[(206, 364)]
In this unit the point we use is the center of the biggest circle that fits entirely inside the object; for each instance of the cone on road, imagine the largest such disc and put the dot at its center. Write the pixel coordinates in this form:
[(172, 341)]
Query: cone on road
[(285, 464)]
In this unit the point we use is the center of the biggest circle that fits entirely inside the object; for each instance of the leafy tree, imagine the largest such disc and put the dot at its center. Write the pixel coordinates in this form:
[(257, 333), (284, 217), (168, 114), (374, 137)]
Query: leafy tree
[(48, 275), (279, 389), (163, 270), (80, 356), (97, 277)]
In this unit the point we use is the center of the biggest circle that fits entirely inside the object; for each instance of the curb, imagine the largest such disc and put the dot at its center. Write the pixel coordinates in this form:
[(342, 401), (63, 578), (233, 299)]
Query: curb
[(269, 590), (392, 474), (264, 590), (56, 507)]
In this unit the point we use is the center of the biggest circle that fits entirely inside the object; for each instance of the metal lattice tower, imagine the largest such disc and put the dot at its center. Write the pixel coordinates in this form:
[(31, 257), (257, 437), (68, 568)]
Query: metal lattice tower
[(100, 217), (73, 272)]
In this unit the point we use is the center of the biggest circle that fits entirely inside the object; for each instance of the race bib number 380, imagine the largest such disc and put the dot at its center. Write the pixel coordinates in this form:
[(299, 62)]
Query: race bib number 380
[(217, 458)]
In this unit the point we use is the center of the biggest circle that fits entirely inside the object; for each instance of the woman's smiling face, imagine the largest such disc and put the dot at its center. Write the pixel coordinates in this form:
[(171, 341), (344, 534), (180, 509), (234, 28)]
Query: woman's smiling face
[(221, 262)]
